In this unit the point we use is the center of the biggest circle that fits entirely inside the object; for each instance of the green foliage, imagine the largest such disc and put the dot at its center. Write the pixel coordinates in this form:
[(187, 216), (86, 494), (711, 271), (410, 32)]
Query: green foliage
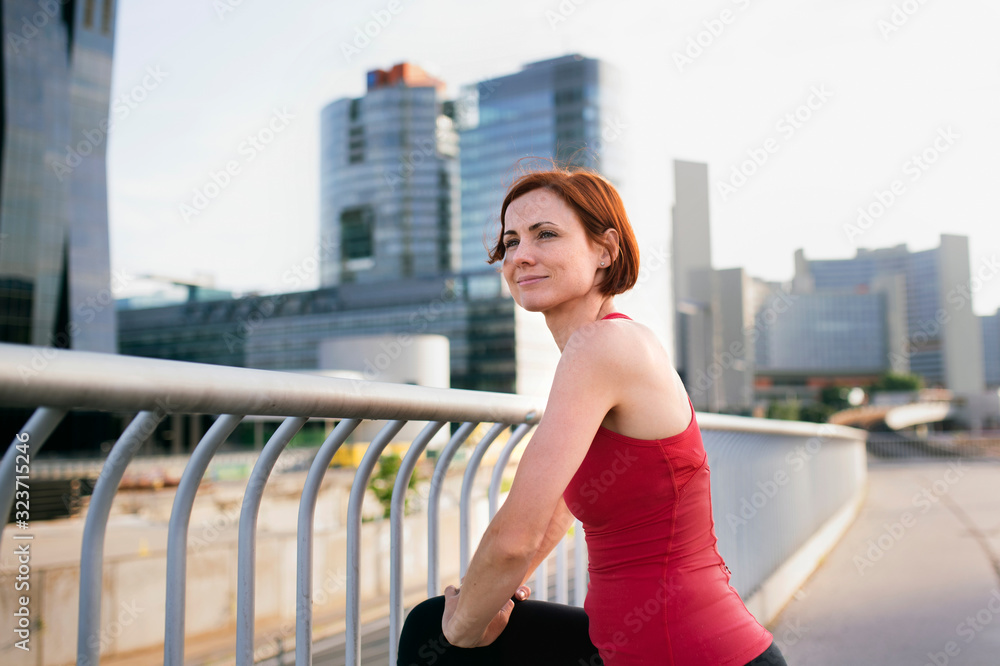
[(835, 397), (785, 410), (817, 412), (383, 479), (897, 381)]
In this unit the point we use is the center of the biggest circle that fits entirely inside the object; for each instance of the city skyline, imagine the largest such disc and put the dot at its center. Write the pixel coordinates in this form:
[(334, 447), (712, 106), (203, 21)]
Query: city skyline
[(822, 109)]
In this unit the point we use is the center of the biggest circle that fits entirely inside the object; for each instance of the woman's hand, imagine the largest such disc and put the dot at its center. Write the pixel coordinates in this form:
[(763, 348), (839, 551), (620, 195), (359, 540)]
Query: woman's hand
[(493, 630)]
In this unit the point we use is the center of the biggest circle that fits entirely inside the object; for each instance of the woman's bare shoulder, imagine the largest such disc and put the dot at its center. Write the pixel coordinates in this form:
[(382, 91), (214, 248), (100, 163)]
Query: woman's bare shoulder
[(618, 345)]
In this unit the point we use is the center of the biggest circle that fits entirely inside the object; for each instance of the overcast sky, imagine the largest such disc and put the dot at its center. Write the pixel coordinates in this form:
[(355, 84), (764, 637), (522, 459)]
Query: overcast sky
[(842, 104)]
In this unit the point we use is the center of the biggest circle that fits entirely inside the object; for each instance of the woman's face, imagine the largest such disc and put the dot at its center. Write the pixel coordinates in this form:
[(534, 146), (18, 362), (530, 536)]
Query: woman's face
[(549, 258)]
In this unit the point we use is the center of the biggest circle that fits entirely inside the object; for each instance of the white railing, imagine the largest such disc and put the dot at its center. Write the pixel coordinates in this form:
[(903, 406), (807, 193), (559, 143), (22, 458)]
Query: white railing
[(777, 487)]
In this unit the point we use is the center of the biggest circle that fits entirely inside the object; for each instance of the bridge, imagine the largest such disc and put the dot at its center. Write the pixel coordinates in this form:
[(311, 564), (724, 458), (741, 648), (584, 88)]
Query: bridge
[(795, 505)]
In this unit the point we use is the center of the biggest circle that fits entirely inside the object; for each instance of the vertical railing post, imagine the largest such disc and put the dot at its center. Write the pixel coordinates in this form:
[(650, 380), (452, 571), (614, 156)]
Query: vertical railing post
[(468, 480), (579, 570), (562, 576), (34, 433), (94, 528), (434, 506), (177, 533), (397, 510), (497, 479), (247, 554), (304, 547), (354, 504)]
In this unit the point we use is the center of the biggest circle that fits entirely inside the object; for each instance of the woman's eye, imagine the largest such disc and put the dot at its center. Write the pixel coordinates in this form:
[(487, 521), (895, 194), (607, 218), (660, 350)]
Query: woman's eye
[(547, 234), (510, 242)]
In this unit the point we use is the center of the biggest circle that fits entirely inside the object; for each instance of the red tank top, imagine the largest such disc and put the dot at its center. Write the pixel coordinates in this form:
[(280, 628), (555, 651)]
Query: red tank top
[(659, 591)]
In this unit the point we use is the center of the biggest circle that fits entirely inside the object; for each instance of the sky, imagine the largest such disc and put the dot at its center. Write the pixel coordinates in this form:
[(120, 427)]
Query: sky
[(826, 126)]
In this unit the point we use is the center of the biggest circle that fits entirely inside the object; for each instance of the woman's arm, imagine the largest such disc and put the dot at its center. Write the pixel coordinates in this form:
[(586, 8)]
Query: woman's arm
[(585, 389), (558, 526)]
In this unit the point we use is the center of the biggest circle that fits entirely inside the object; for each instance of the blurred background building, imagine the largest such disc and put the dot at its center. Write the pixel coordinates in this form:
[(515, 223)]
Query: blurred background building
[(389, 190), (55, 115), (55, 270), (562, 109)]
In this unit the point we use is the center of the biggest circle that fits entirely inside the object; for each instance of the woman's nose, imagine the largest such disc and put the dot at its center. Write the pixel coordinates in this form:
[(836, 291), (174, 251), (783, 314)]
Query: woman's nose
[(521, 254)]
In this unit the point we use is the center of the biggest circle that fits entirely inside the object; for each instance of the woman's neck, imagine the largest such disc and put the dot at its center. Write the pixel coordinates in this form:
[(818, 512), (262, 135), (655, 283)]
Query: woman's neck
[(566, 319)]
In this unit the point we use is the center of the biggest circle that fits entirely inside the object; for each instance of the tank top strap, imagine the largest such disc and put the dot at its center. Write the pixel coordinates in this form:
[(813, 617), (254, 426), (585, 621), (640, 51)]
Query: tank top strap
[(615, 315)]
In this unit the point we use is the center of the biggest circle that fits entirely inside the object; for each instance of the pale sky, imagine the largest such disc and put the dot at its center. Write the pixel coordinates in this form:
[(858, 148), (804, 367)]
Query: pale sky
[(847, 101)]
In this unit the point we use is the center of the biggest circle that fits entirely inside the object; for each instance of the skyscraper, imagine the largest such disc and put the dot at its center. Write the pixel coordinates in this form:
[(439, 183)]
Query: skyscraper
[(714, 309), (389, 205), (562, 108), (941, 339), (54, 103), (991, 349)]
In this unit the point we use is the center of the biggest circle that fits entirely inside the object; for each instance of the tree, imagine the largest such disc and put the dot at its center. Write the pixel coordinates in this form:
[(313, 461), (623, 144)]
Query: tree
[(383, 480), (817, 412), (785, 410), (897, 381)]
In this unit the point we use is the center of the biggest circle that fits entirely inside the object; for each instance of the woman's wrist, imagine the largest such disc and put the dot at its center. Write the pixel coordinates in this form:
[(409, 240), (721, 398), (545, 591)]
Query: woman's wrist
[(454, 635)]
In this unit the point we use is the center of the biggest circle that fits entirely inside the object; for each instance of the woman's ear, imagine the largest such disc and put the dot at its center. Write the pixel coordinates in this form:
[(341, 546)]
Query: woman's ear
[(610, 242)]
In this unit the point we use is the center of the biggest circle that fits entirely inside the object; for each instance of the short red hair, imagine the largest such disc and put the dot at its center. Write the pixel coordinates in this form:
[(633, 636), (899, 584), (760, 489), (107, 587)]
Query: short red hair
[(598, 207)]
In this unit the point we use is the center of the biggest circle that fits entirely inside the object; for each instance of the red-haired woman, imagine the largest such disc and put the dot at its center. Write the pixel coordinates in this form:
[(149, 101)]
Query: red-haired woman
[(619, 448)]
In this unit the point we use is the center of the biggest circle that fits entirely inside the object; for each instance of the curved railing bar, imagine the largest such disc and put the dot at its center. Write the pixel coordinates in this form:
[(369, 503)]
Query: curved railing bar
[(397, 509), (497, 479), (94, 529), (562, 576), (36, 432), (177, 535), (304, 548), (434, 504), (579, 570), (246, 560), (467, 482), (354, 504)]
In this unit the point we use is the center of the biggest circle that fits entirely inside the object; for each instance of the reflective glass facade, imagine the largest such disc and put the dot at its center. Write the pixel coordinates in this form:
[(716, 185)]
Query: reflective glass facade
[(389, 192), (54, 256), (562, 108), (991, 349), (925, 299), (839, 333)]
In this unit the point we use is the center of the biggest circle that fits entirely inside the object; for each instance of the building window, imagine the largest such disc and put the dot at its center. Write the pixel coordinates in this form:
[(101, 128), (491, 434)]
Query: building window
[(88, 14), (106, 17), (357, 233), (568, 96)]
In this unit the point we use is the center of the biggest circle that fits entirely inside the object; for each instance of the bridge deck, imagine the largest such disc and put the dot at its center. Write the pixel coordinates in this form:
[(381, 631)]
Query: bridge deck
[(915, 580)]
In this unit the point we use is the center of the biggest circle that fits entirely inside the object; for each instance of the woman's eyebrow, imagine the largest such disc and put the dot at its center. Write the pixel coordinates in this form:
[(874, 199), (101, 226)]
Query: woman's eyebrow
[(511, 232)]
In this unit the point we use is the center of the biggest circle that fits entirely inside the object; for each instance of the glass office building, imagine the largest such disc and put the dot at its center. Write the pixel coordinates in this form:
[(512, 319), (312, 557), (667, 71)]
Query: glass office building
[(54, 104), (389, 197), (991, 349), (941, 339), (562, 108), (833, 333)]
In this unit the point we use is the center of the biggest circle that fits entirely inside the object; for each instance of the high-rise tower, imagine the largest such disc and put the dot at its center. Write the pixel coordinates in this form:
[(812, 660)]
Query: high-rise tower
[(389, 181), (54, 103)]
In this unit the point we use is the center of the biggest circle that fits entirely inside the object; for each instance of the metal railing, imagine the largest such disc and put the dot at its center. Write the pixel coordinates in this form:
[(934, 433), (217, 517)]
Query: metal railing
[(824, 466), (908, 444)]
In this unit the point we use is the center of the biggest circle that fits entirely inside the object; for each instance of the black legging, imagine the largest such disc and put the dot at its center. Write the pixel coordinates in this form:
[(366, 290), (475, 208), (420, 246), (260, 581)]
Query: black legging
[(538, 633)]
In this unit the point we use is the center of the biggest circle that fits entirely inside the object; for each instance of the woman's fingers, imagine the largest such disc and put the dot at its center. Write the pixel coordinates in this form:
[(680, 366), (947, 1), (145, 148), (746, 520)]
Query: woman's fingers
[(523, 592)]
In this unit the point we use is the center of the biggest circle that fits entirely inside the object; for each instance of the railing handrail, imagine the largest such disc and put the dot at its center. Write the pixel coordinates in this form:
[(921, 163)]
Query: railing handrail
[(777, 427), (56, 381), (61, 378)]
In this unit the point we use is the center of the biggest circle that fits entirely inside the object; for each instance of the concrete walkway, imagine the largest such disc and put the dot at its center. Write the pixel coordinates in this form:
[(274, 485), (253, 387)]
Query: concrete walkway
[(914, 581)]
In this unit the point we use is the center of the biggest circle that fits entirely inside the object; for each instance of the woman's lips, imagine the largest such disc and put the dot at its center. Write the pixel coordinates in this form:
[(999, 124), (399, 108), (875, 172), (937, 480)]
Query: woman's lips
[(531, 279)]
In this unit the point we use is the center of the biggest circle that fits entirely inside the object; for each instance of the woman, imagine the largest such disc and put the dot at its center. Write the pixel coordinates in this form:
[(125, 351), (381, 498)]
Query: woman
[(619, 448)]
